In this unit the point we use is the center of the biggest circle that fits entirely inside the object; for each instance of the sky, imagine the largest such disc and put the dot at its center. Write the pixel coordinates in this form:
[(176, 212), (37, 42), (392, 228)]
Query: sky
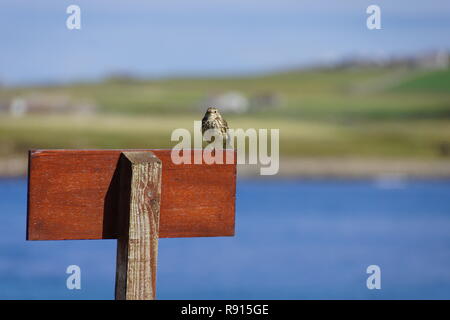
[(204, 38)]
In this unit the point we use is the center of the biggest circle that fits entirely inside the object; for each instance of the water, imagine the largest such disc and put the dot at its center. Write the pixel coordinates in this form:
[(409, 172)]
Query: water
[(294, 240)]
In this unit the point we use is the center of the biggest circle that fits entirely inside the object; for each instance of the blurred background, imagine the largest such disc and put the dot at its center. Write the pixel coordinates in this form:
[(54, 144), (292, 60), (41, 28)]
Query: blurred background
[(364, 119)]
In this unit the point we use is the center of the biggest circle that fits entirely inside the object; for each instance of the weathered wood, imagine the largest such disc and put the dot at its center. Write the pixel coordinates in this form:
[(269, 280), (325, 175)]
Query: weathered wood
[(139, 205), (73, 194)]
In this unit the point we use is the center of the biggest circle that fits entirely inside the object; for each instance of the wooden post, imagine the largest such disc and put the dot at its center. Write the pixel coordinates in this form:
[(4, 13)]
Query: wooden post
[(135, 196), (137, 248)]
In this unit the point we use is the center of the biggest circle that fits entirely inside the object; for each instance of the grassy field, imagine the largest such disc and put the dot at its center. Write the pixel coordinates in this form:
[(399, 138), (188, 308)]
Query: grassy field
[(371, 112)]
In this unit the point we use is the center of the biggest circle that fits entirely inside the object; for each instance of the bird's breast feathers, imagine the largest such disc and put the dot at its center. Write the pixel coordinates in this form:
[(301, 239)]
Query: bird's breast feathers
[(214, 124)]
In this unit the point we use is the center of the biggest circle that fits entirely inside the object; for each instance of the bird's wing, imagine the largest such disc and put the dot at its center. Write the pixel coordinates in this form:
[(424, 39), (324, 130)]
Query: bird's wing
[(225, 124), (204, 126)]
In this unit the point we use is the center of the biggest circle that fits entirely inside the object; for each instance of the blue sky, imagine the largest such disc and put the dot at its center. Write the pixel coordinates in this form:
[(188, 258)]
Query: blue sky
[(200, 37)]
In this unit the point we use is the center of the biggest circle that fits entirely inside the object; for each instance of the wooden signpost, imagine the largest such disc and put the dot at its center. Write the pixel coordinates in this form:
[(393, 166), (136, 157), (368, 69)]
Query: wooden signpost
[(135, 196)]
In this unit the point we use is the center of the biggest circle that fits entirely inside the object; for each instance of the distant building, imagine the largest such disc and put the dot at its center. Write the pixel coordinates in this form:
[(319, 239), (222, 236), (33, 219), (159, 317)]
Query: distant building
[(232, 101), (265, 100), (434, 60), (38, 103), (18, 107), (236, 102)]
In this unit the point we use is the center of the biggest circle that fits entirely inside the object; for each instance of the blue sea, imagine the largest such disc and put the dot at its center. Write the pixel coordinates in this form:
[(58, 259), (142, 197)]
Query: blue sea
[(295, 239)]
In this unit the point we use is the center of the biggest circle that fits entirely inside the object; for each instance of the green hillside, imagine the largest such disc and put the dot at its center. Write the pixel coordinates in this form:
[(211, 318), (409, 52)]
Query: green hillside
[(369, 112)]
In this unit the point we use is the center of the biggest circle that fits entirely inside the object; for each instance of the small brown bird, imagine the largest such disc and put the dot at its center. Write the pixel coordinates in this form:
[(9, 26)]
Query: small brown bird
[(213, 120)]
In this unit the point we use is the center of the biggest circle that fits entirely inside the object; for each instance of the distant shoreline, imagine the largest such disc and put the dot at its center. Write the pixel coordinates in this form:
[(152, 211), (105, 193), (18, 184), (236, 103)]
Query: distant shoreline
[(310, 167), (357, 168)]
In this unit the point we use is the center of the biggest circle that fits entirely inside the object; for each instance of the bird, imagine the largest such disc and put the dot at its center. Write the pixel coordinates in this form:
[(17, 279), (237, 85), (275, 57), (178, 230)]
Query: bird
[(214, 120)]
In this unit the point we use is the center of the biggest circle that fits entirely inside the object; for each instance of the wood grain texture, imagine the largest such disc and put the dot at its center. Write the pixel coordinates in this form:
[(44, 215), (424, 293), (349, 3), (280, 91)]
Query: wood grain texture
[(74, 194), (137, 250)]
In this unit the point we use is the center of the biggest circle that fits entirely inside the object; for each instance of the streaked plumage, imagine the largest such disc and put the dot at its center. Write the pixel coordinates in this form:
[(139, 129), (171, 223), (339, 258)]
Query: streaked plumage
[(214, 120)]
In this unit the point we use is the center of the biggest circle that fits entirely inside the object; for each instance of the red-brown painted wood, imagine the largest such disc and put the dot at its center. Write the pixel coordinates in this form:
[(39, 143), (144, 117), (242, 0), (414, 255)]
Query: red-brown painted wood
[(73, 194)]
